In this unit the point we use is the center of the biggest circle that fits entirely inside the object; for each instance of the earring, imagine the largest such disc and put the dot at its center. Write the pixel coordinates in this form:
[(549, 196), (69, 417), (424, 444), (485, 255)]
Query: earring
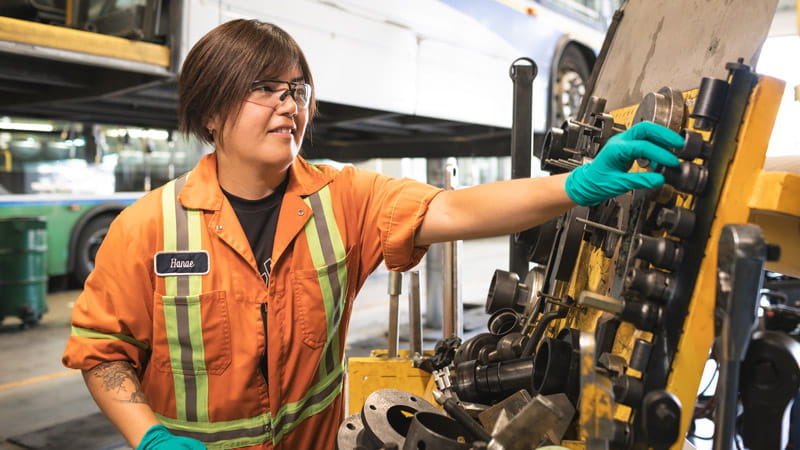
[(211, 132)]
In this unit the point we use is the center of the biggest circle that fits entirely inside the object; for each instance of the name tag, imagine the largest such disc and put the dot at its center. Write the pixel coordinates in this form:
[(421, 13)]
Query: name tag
[(181, 263)]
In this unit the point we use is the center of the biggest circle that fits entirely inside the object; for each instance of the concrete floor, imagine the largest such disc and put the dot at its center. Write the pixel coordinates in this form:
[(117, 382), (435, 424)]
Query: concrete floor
[(37, 392)]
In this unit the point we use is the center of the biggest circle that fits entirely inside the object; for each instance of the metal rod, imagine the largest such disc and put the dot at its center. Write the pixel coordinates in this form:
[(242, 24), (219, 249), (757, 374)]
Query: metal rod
[(414, 319), (452, 320), (600, 226), (522, 73), (395, 289)]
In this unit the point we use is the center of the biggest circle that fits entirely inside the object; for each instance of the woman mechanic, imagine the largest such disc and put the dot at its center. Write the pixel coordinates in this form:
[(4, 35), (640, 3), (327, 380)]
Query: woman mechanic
[(217, 311)]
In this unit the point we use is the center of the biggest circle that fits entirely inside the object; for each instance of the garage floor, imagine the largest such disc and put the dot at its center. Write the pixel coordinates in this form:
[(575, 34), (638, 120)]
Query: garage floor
[(43, 405)]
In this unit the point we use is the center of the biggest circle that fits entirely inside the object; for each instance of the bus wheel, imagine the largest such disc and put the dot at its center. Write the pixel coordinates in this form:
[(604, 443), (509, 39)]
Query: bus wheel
[(572, 78), (89, 241)]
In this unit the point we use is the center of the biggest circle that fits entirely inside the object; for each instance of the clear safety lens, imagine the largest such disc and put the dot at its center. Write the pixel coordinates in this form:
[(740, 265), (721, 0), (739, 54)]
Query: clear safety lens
[(272, 93)]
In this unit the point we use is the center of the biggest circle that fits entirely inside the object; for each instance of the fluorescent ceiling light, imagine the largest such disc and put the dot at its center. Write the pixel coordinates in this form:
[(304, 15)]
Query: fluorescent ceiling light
[(25, 126)]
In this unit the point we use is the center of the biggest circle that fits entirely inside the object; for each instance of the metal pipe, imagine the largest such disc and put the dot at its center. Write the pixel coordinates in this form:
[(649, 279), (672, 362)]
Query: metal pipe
[(395, 289), (414, 319), (452, 306)]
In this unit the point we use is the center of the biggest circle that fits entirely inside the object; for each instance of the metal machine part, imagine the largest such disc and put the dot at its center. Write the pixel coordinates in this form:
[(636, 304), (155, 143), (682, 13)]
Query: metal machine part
[(508, 347), (709, 102), (640, 355), (474, 382), (677, 221), (660, 252), (503, 321), (686, 177), (664, 107), (511, 406), (694, 146), (433, 430), (386, 416), (461, 416), (543, 421), (628, 390), (452, 303), (770, 378), (644, 315), (395, 289), (652, 284), (414, 316), (556, 369), (477, 347), (661, 417), (506, 292), (351, 434), (740, 275)]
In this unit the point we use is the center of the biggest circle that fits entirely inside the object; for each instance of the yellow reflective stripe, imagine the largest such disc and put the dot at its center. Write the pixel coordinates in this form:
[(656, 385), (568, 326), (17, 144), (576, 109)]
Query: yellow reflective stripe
[(319, 397), (170, 238), (195, 228), (91, 334)]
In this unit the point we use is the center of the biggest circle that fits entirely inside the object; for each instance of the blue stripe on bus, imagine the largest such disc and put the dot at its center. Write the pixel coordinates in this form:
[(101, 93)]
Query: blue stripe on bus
[(66, 201)]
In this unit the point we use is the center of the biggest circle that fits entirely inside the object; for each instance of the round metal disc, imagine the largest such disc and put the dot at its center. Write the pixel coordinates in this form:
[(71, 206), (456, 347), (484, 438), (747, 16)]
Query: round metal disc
[(349, 433), (387, 414), (665, 107)]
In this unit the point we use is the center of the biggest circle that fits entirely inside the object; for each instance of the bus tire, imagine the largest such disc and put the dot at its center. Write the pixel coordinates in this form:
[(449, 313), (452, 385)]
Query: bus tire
[(570, 84), (89, 240)]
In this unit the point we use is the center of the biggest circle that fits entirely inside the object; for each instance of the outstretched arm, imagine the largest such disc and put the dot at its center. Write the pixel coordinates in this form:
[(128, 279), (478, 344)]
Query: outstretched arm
[(510, 206)]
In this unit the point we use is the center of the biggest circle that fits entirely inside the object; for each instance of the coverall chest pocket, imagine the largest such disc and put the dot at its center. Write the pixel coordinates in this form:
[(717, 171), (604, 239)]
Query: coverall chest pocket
[(319, 300), (191, 335)]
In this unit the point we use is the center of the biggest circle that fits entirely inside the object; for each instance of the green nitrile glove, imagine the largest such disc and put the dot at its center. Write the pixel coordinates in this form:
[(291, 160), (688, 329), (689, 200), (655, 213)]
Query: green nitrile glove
[(607, 175), (159, 438)]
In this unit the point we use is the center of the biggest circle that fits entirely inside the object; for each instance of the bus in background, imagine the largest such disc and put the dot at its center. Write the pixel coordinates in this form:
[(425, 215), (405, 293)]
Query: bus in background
[(78, 177), (89, 92)]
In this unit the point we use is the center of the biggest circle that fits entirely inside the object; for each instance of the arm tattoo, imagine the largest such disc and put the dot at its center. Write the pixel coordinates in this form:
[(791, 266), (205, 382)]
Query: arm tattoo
[(119, 376)]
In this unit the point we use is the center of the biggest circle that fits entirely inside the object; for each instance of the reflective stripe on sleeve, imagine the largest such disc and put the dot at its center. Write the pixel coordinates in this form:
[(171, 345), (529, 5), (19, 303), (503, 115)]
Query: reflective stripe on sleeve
[(91, 334)]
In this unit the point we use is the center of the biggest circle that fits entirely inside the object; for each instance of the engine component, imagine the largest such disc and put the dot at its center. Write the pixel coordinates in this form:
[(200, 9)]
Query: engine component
[(432, 430), (387, 416), (660, 252), (506, 292), (653, 284), (474, 382), (742, 255), (686, 177), (677, 221), (769, 382), (709, 102)]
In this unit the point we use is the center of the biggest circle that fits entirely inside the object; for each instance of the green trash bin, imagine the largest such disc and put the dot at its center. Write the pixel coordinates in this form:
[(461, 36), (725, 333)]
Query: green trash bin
[(23, 268)]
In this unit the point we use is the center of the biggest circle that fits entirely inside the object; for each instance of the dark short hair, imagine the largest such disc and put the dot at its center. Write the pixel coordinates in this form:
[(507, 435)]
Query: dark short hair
[(218, 71)]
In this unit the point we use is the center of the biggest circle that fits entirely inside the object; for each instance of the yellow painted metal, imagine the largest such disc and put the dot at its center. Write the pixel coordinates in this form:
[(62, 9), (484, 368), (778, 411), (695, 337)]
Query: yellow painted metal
[(733, 207), (62, 38), (775, 207), (366, 375)]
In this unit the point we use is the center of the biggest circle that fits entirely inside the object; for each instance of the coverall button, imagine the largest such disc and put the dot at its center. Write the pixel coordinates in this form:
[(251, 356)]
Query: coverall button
[(300, 212)]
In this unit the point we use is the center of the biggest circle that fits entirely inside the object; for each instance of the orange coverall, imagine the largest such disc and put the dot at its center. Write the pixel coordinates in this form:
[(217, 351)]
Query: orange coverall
[(120, 314)]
